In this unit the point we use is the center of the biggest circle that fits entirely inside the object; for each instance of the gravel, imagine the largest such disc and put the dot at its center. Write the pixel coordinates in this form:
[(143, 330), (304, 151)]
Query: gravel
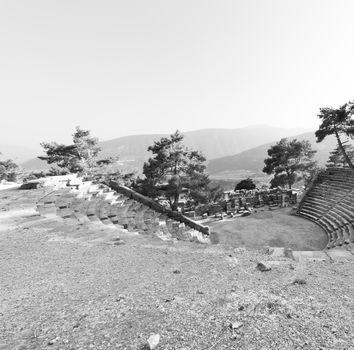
[(66, 286)]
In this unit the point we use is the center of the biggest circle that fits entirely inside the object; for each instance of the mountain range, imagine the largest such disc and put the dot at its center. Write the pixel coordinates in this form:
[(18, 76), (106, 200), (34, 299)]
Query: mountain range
[(214, 143), (253, 159), (227, 150)]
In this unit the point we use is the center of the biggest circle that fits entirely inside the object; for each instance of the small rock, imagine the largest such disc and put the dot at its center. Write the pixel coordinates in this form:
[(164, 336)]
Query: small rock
[(261, 266), (176, 272), (235, 325), (120, 298), (120, 242), (169, 299), (53, 341), (153, 341), (298, 281)]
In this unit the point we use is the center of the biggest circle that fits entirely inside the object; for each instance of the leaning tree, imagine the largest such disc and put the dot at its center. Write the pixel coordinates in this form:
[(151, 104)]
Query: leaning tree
[(175, 169), (338, 122), (289, 161)]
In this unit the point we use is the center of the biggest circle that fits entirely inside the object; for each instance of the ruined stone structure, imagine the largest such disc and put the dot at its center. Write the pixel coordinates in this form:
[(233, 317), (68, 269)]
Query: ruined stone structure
[(330, 204), (177, 216), (126, 209)]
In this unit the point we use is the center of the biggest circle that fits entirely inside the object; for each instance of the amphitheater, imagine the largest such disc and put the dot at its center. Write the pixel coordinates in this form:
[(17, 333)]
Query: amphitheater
[(89, 266), (330, 204)]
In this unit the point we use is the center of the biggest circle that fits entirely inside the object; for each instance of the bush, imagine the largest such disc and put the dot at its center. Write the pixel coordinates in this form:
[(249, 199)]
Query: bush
[(9, 170), (34, 175), (246, 184)]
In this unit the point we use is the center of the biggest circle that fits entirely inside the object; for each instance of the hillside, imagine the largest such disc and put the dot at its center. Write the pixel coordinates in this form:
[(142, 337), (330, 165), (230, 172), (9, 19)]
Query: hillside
[(253, 159), (214, 143)]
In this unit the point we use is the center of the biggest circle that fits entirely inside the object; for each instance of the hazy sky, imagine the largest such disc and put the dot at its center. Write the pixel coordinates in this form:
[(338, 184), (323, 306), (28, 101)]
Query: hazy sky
[(130, 67)]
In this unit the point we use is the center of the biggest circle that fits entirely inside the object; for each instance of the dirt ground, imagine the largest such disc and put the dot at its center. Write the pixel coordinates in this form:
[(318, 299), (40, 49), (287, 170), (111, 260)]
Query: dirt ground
[(275, 228), (65, 286)]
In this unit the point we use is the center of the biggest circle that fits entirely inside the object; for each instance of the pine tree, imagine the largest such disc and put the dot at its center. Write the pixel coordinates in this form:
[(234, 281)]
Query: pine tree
[(9, 170), (175, 169), (288, 161), (338, 122), (246, 184), (78, 157)]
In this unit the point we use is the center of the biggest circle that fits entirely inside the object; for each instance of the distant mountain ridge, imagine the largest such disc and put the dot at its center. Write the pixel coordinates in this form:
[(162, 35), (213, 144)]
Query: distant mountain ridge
[(214, 143), (253, 159)]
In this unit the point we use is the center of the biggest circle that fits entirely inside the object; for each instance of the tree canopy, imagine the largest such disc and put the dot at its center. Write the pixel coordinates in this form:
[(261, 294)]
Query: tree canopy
[(246, 184), (78, 157), (338, 122), (9, 170), (288, 161), (175, 169)]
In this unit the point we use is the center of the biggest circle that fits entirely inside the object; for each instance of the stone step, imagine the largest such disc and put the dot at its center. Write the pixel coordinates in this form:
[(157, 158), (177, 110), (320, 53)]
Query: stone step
[(337, 254), (310, 255)]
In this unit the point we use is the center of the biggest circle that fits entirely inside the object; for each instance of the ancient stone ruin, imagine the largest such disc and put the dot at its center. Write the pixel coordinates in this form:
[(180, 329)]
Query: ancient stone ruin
[(83, 201), (329, 203)]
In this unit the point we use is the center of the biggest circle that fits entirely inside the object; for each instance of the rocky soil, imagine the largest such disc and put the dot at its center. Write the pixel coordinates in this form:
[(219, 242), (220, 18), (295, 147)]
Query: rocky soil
[(70, 286)]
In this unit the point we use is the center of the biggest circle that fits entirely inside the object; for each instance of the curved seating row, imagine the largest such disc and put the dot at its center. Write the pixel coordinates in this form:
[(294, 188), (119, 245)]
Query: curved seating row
[(330, 204), (90, 203)]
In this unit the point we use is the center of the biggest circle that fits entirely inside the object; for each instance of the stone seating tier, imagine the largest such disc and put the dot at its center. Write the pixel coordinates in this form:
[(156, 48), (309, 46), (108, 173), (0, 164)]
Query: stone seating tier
[(328, 230), (330, 204), (86, 203), (320, 207), (333, 183)]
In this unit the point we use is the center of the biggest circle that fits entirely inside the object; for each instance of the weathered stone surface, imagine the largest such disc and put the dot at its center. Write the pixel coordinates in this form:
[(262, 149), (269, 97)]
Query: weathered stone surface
[(310, 255), (236, 325), (339, 254)]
